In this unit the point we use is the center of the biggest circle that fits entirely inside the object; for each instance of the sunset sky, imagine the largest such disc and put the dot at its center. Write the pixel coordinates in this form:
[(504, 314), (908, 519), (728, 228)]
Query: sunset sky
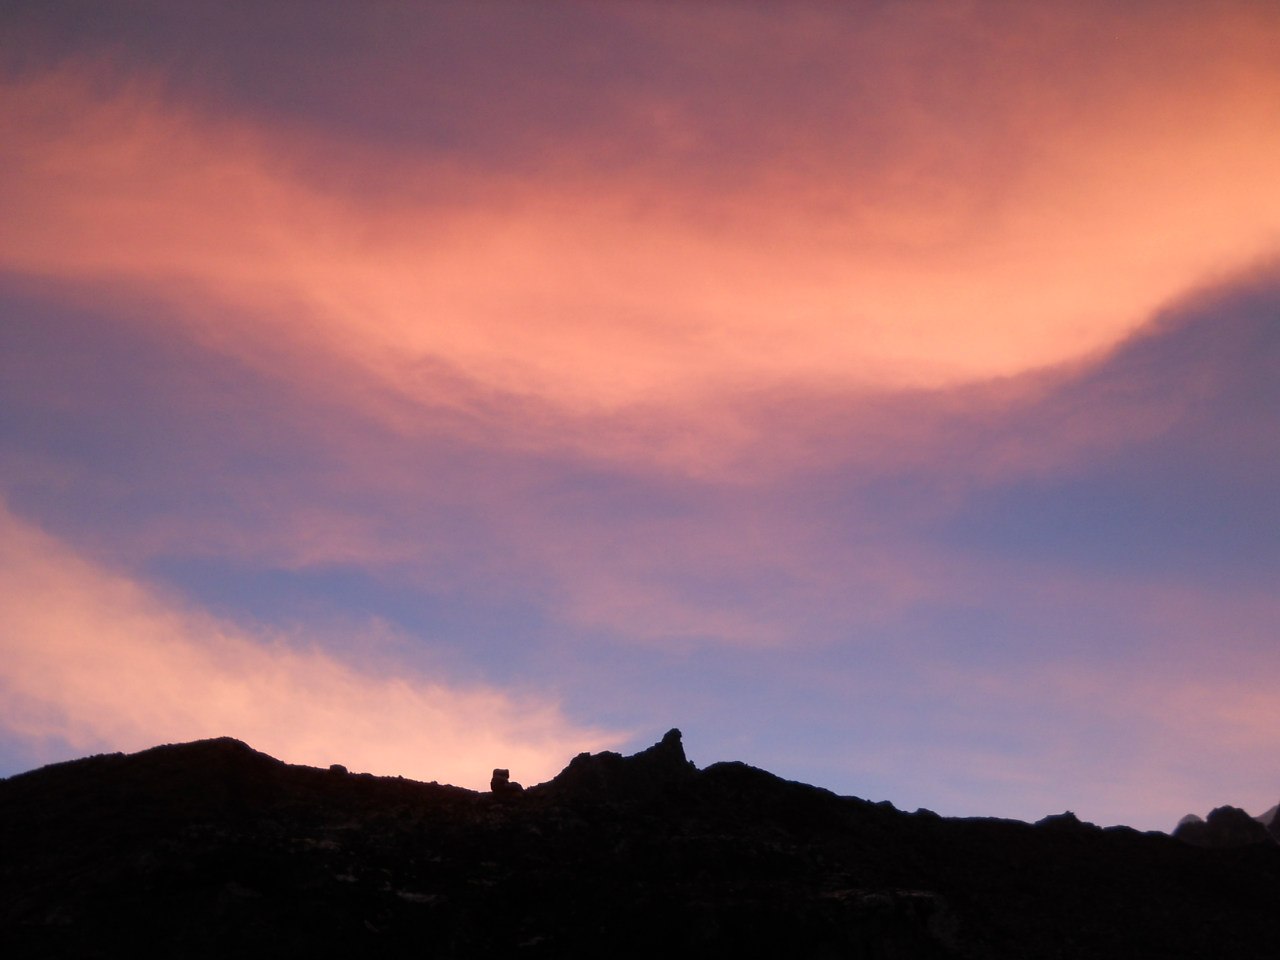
[(887, 394)]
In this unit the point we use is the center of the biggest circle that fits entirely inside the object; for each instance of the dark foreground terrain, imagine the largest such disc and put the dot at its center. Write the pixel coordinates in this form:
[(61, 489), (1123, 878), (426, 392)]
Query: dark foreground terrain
[(211, 849)]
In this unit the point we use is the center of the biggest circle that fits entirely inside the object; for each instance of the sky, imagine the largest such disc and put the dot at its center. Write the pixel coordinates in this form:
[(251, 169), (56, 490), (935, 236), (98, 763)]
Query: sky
[(887, 394)]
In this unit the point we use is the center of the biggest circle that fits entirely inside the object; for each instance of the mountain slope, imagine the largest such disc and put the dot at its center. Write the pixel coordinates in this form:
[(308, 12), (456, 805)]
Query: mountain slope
[(212, 849)]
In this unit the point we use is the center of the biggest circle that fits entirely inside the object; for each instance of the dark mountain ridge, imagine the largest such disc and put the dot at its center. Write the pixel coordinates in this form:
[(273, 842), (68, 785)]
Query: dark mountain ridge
[(212, 849)]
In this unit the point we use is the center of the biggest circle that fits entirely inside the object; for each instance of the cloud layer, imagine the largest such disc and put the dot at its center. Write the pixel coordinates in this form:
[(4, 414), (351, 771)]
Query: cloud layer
[(596, 285)]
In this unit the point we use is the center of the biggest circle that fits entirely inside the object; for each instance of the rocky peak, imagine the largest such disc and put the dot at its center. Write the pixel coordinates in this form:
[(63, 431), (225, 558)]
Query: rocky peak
[(613, 778), (1066, 821)]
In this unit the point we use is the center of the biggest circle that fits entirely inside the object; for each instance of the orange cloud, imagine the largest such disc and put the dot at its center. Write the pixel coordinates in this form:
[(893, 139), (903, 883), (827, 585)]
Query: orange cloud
[(96, 661), (1040, 228)]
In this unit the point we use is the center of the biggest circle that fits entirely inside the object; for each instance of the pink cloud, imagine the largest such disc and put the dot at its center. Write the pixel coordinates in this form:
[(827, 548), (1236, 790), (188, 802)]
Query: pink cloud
[(97, 661), (624, 290)]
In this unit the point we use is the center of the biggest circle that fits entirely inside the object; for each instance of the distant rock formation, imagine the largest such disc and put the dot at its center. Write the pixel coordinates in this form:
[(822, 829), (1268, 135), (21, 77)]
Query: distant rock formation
[(502, 785), (612, 778), (1065, 821), (1224, 827)]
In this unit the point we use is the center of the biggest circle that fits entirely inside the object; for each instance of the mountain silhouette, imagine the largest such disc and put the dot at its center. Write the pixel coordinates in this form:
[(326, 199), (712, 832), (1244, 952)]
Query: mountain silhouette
[(211, 849), (1224, 827)]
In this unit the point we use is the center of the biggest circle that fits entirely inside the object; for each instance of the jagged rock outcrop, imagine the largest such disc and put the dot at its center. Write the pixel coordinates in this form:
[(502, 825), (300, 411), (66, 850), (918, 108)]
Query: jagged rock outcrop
[(501, 784), (612, 778), (212, 849), (1224, 827)]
